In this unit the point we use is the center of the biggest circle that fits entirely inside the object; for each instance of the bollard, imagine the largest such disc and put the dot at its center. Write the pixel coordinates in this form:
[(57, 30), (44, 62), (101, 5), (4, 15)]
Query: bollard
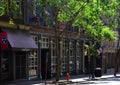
[(40, 76)]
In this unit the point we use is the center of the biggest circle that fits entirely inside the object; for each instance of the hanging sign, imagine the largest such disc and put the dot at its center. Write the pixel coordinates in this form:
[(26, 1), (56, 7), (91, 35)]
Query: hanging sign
[(3, 40)]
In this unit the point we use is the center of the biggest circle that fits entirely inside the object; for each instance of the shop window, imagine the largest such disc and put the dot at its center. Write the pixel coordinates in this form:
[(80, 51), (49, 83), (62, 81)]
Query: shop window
[(33, 59), (33, 64)]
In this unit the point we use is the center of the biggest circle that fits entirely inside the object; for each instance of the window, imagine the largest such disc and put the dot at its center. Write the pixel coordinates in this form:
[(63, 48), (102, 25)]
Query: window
[(71, 56), (33, 59), (45, 42), (64, 56), (53, 56), (78, 58), (35, 38), (33, 64)]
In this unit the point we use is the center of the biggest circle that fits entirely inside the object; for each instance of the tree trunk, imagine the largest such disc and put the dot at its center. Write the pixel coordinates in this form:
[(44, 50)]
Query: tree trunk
[(57, 44), (116, 62), (57, 59), (117, 52)]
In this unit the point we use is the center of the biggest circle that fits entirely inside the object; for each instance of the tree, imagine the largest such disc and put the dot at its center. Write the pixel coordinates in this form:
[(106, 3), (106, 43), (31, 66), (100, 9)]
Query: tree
[(11, 9), (96, 17)]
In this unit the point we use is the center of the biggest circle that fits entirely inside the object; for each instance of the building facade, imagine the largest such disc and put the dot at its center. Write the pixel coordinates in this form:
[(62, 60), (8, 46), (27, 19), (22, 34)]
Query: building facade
[(109, 55), (71, 52), (31, 51), (16, 58)]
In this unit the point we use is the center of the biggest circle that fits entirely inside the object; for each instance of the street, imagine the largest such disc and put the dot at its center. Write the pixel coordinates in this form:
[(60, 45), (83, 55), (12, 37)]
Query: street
[(108, 81), (75, 80)]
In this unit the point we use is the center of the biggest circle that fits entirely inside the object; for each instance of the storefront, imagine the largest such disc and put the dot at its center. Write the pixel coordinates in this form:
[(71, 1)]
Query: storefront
[(19, 60), (71, 56), (70, 52)]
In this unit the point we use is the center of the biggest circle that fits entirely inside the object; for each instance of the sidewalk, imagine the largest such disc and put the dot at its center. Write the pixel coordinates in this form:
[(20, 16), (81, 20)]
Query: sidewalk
[(87, 78), (74, 79)]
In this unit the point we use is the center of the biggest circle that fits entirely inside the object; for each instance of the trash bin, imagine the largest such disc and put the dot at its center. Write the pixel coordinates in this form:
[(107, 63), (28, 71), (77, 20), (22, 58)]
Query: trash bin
[(98, 72)]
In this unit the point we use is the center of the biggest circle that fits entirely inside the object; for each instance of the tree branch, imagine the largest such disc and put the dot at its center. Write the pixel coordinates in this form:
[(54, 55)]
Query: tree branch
[(73, 17)]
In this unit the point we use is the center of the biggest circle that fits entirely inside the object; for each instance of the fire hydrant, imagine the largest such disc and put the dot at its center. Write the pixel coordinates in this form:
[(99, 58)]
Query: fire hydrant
[(67, 76)]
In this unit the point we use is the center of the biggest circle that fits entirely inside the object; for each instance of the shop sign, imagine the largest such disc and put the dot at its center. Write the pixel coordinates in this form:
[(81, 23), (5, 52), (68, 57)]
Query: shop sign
[(3, 40)]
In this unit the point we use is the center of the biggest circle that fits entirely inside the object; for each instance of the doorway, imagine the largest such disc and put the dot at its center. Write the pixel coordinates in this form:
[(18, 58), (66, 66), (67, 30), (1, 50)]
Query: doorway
[(20, 68), (45, 64)]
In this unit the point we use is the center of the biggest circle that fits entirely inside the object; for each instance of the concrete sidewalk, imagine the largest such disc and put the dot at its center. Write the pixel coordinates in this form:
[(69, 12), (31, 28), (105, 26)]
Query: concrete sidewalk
[(73, 79), (87, 78)]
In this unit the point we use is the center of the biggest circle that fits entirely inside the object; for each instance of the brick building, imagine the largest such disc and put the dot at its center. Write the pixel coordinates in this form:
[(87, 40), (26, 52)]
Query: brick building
[(31, 51)]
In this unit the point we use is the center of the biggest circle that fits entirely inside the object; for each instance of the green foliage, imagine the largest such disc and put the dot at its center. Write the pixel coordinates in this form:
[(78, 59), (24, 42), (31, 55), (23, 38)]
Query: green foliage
[(66, 13), (107, 33), (89, 17), (10, 8), (81, 13), (91, 50), (11, 21), (2, 8), (86, 14), (2, 11), (15, 9)]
